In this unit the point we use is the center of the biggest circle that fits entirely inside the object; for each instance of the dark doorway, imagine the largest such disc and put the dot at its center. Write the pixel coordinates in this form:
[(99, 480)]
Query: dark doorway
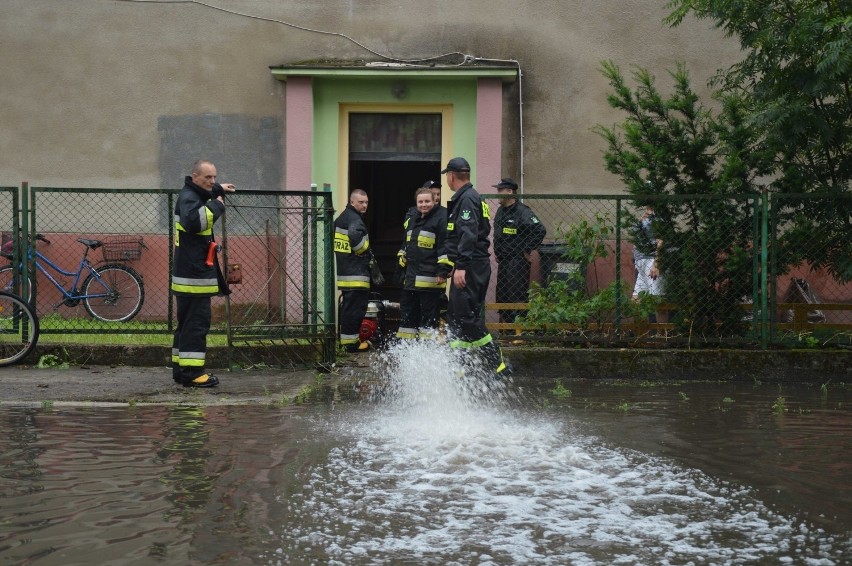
[(391, 155)]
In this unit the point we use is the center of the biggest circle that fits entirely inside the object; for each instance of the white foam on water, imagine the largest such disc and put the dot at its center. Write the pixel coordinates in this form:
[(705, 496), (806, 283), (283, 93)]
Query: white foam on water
[(443, 470)]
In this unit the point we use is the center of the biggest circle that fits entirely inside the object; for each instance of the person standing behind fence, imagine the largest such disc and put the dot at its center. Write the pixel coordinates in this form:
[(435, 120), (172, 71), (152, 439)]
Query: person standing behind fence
[(517, 235), (196, 275), (425, 273), (468, 229), (645, 250), (352, 250)]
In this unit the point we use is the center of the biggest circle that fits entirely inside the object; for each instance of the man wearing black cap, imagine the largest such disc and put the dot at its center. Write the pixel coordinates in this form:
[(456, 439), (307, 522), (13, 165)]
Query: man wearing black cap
[(468, 228), (517, 235)]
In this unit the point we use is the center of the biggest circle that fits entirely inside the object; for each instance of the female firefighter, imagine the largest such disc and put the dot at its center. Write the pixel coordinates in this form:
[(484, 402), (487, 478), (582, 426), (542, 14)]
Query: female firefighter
[(425, 278)]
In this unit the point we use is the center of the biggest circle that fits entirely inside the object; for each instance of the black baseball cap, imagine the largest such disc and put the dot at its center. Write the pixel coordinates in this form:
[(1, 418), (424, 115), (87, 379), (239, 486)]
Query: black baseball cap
[(431, 185), (457, 165), (506, 183)]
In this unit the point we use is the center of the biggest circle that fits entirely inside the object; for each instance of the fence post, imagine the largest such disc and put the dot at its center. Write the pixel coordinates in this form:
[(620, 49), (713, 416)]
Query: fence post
[(229, 332), (329, 276), (764, 272), (309, 249), (755, 267), (26, 242), (618, 298)]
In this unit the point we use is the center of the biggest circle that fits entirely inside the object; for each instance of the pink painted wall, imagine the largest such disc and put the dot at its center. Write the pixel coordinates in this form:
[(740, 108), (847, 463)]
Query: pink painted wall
[(298, 143), (489, 133)]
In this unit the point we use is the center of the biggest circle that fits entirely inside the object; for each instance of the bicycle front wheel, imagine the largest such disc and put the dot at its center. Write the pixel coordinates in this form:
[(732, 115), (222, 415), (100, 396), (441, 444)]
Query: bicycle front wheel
[(7, 275), (18, 329), (114, 293)]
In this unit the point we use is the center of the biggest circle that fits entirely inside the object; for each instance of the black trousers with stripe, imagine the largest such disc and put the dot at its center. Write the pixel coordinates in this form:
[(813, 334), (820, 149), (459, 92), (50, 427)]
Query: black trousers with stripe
[(353, 307), (190, 339)]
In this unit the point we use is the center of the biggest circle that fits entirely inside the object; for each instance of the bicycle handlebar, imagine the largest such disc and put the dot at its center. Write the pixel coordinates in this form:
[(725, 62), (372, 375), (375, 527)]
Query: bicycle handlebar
[(42, 238)]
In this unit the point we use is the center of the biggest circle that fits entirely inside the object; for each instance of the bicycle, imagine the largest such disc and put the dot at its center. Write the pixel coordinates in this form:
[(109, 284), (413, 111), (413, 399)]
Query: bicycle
[(112, 292), (18, 328)]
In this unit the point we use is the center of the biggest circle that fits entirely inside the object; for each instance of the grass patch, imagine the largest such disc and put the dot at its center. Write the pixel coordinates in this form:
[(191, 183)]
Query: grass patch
[(560, 391)]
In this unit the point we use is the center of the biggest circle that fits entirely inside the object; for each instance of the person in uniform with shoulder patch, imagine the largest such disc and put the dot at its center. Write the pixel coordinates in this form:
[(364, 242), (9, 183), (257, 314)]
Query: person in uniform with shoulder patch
[(468, 230), (352, 251), (517, 235), (196, 275)]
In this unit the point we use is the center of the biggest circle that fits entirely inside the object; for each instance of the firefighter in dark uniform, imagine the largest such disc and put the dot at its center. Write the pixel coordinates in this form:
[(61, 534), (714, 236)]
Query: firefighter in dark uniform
[(410, 216), (468, 229), (517, 234), (352, 250), (196, 275), (425, 273)]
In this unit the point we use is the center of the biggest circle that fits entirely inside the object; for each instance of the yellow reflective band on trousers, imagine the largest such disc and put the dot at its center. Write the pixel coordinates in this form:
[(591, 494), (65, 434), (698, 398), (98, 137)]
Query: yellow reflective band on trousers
[(346, 339), (191, 359), (478, 344), (407, 333)]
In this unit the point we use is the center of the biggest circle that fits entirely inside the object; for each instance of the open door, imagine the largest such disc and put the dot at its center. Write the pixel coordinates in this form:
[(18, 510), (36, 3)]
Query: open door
[(390, 156)]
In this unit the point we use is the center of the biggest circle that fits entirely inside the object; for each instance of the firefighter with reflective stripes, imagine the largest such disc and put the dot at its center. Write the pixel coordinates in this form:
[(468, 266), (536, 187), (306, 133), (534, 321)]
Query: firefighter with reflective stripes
[(411, 214), (517, 235), (468, 229), (196, 275), (352, 250), (426, 268)]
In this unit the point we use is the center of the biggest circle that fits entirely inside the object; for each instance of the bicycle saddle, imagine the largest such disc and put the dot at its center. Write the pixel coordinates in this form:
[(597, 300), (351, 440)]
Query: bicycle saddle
[(94, 244)]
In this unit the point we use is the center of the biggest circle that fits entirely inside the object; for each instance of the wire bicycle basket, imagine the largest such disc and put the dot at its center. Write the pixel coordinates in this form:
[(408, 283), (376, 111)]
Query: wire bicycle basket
[(123, 248)]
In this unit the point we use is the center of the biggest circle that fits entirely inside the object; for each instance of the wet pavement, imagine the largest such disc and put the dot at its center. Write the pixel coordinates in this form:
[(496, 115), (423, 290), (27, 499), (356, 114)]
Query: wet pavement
[(144, 381), (150, 385)]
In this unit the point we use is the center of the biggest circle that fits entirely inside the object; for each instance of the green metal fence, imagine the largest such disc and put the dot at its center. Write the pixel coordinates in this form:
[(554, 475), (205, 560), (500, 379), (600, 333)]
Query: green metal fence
[(277, 245), (734, 270), (753, 270)]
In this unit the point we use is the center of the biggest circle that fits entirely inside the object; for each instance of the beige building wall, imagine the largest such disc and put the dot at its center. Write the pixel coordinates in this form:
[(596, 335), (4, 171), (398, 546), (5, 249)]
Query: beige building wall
[(92, 91)]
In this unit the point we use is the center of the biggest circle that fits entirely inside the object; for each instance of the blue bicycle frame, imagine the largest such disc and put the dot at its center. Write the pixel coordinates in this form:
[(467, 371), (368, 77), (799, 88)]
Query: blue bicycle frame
[(72, 293)]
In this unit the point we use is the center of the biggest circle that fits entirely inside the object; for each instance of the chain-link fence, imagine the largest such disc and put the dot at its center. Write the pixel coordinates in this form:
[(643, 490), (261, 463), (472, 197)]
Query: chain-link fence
[(671, 269), (279, 260), (665, 270), (810, 264), (98, 270)]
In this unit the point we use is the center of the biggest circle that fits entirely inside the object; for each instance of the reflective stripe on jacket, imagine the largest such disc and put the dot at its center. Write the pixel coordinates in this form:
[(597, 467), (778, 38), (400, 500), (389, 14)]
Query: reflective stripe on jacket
[(195, 213), (516, 230), (426, 252)]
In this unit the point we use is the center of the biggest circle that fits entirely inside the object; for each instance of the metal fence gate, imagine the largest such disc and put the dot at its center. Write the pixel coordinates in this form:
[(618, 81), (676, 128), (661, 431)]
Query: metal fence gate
[(277, 244), (279, 259)]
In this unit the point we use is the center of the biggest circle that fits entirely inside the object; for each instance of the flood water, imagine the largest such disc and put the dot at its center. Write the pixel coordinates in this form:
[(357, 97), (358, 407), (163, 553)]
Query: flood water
[(423, 464)]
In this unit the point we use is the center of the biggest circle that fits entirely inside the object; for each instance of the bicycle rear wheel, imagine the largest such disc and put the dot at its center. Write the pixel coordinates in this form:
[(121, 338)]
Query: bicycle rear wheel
[(116, 294), (7, 275), (18, 329)]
